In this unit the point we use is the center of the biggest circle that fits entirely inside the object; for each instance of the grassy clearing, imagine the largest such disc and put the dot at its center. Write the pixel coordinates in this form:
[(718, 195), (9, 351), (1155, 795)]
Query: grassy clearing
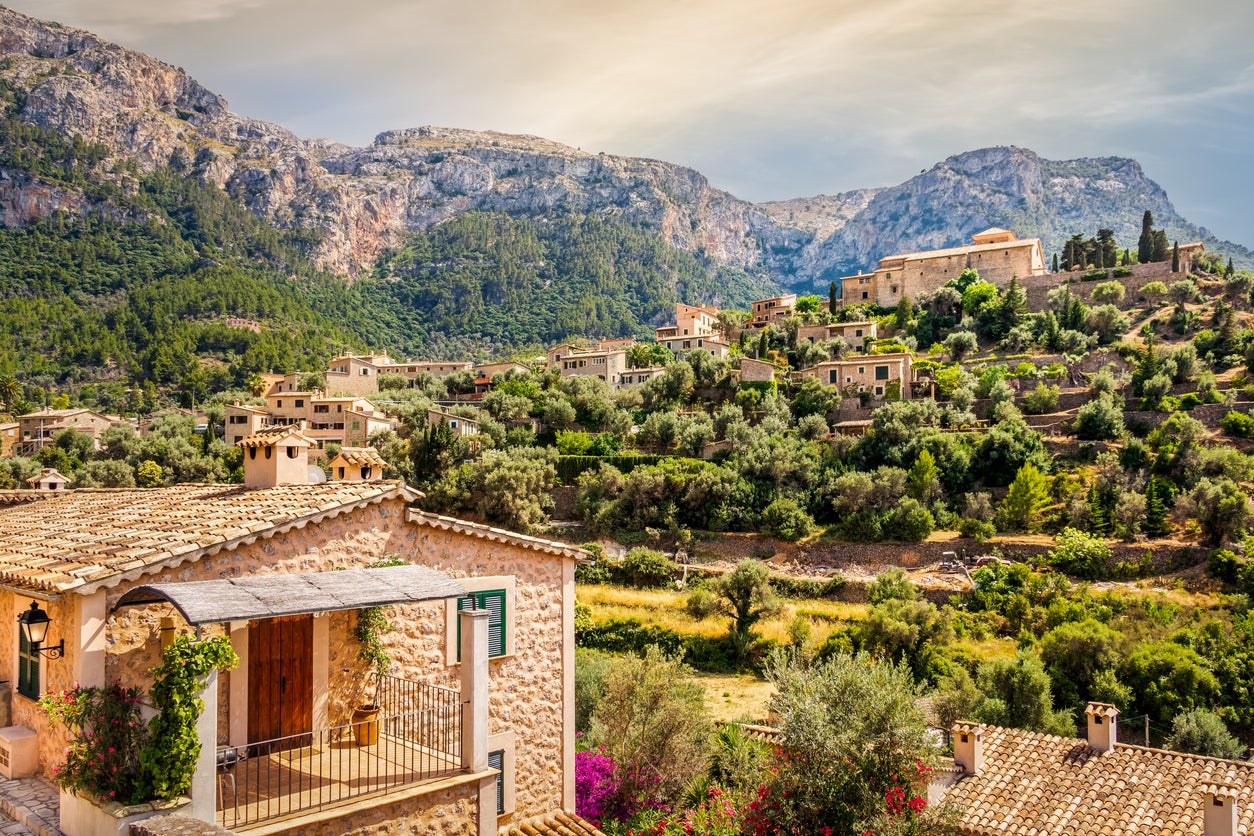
[(736, 697), (666, 608)]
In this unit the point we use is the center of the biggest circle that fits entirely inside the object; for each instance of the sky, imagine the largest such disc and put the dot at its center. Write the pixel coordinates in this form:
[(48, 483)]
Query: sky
[(769, 100)]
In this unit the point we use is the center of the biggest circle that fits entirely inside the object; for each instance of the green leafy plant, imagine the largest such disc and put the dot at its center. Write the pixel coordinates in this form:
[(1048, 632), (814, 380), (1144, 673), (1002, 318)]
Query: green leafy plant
[(372, 625), (168, 761)]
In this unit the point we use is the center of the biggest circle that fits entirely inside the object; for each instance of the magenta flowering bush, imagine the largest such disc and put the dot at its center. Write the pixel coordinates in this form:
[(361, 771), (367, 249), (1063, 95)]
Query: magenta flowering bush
[(102, 760), (596, 784)]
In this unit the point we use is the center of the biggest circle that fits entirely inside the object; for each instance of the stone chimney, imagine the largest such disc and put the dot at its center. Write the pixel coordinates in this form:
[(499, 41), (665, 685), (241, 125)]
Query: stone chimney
[(1219, 811), (1103, 730), (969, 747), (276, 456), (357, 464)]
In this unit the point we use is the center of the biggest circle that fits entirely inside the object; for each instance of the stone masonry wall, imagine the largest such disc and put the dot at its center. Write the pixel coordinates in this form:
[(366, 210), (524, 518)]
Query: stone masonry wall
[(450, 812), (526, 689)]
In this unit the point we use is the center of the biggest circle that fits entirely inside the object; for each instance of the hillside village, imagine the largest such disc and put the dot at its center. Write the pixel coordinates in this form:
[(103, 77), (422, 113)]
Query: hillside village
[(683, 515), (1087, 423)]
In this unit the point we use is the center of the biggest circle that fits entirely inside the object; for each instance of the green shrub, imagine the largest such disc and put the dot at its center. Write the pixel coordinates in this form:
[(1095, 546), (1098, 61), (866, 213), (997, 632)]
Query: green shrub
[(787, 520), (647, 568), (1042, 399), (1081, 555), (1121, 272), (1238, 424)]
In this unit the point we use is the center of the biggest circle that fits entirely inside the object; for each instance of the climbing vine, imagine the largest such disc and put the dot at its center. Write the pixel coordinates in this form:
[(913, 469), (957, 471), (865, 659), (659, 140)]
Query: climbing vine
[(168, 761), (372, 625)]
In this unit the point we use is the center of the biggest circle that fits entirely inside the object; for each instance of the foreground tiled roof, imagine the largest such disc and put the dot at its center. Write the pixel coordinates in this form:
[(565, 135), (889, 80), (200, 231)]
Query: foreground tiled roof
[(1037, 784), (554, 824), (82, 540)]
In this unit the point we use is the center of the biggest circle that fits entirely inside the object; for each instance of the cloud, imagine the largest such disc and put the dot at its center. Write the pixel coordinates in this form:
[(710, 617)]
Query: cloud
[(132, 18)]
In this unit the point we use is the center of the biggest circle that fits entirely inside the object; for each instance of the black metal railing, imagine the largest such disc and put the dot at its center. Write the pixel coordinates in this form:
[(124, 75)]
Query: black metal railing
[(300, 773)]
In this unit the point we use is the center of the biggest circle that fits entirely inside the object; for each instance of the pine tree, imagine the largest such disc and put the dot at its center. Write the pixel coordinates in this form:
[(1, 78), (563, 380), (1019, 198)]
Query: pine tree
[(1145, 244), (1175, 257), (831, 298), (1027, 497)]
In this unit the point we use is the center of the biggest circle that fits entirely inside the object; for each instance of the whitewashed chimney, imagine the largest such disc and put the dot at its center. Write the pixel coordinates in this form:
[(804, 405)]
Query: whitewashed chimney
[(1219, 810), (1103, 730), (969, 747)]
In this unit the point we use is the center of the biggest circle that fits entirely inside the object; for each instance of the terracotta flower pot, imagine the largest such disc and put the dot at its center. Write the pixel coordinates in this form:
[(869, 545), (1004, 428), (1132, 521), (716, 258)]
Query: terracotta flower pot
[(366, 724)]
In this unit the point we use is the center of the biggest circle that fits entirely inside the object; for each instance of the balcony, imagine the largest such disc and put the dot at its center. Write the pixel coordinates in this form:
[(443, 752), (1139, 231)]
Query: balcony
[(418, 739)]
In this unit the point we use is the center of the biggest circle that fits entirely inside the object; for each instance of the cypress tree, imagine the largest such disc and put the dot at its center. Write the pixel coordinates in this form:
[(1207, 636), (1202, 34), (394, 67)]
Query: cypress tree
[(1229, 271), (1155, 509), (1145, 244), (1127, 258), (763, 345), (1146, 367), (1099, 517), (1160, 245), (831, 298), (1175, 257), (1055, 262)]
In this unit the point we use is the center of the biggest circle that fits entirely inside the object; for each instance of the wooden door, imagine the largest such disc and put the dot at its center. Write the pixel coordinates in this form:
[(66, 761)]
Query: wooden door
[(280, 678)]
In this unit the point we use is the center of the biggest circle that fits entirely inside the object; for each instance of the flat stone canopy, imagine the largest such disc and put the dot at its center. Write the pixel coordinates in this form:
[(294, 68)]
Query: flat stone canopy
[(270, 596)]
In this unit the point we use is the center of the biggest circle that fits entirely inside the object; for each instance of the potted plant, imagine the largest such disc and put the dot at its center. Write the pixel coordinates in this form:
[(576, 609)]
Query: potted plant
[(372, 624)]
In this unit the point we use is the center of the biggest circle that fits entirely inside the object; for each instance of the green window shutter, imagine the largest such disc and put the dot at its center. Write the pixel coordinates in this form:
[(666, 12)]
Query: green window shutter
[(27, 668), (496, 760), (494, 602)]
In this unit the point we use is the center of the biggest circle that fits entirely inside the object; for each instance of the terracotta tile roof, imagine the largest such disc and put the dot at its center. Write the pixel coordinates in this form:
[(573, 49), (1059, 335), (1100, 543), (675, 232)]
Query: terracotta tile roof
[(966, 248), (85, 539), (554, 824), (498, 535), (273, 435), (1040, 784), (360, 457)]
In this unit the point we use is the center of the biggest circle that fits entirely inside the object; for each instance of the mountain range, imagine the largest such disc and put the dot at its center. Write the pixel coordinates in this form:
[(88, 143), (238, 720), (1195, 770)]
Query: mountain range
[(415, 222)]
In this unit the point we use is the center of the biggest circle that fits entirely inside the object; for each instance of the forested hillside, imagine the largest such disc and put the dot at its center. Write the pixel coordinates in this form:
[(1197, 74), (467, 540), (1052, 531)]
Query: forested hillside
[(485, 280), (138, 286)]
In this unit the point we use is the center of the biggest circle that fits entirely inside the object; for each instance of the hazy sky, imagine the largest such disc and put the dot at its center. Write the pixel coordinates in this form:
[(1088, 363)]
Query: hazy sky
[(768, 99)]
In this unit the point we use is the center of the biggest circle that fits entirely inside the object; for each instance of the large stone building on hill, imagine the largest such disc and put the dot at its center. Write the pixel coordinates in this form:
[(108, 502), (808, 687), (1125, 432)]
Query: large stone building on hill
[(995, 253)]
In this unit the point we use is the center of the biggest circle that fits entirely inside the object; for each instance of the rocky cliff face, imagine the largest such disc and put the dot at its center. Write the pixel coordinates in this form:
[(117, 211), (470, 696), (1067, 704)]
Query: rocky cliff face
[(1007, 187), (364, 200)]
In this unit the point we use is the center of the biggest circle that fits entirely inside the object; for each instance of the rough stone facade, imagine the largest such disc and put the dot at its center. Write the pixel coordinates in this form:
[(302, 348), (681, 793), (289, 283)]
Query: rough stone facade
[(527, 688)]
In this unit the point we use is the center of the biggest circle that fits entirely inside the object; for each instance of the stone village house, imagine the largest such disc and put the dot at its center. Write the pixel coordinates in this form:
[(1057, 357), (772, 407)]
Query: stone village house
[(465, 747)]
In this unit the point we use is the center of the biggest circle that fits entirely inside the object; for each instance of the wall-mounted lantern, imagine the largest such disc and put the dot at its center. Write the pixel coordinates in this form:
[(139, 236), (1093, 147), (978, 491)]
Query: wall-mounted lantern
[(34, 623)]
